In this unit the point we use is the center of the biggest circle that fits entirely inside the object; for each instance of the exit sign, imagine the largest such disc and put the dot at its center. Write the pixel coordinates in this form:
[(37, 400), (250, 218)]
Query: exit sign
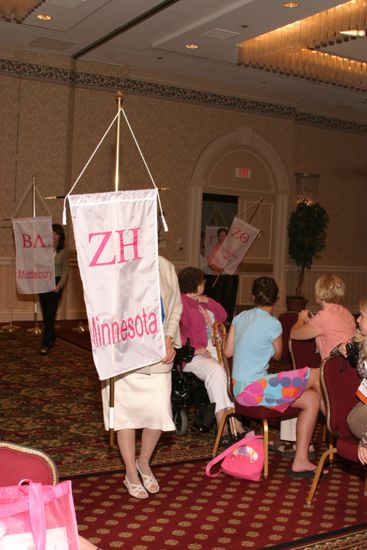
[(242, 173)]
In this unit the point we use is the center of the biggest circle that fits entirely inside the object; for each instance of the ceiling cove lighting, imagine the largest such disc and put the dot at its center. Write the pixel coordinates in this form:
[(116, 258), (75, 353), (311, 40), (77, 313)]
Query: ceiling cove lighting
[(15, 11), (354, 33), (295, 50)]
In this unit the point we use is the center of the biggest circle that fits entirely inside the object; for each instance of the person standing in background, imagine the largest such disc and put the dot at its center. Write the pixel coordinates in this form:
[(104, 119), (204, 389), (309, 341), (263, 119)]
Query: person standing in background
[(50, 300)]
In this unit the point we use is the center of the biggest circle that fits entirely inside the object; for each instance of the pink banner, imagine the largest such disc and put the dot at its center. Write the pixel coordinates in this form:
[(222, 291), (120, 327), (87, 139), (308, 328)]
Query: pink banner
[(234, 248)]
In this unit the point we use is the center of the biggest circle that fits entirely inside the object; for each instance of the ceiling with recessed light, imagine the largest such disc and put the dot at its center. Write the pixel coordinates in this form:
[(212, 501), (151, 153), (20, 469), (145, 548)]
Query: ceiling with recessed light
[(149, 39)]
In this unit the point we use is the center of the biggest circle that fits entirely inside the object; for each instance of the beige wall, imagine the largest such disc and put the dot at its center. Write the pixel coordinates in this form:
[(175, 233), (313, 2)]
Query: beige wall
[(50, 128)]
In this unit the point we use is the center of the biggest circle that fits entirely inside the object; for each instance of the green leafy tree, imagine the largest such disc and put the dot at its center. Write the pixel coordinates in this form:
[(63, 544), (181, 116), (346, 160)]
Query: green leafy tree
[(307, 237)]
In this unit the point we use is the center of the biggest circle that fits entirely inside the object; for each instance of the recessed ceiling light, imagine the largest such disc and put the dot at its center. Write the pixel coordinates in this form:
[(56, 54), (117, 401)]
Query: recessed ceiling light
[(354, 33), (290, 4), (44, 17), (191, 46)]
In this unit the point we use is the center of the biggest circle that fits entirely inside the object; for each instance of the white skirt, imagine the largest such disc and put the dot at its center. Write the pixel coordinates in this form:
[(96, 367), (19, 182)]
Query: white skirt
[(141, 401)]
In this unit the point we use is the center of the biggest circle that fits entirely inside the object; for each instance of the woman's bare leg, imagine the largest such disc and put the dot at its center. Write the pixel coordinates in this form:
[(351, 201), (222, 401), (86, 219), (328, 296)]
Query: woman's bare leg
[(314, 384), (126, 443), (149, 442), (309, 402)]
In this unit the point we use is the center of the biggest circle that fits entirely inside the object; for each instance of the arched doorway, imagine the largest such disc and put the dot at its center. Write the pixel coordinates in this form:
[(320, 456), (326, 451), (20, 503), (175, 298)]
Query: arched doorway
[(215, 172)]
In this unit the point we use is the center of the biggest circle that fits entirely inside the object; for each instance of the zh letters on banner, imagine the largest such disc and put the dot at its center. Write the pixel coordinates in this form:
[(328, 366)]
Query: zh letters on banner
[(35, 266), (237, 243), (117, 245)]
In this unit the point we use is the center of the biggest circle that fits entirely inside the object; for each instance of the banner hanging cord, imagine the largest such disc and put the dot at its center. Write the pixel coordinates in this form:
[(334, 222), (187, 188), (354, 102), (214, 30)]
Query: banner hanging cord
[(147, 167), (24, 196), (86, 166), (95, 151), (254, 205)]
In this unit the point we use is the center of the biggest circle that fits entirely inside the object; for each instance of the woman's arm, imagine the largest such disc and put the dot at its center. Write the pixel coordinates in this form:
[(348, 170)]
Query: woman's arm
[(302, 330), (278, 347), (216, 308), (229, 343)]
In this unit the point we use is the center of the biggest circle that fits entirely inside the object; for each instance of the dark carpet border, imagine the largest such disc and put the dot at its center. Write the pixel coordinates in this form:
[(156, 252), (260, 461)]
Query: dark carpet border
[(323, 537)]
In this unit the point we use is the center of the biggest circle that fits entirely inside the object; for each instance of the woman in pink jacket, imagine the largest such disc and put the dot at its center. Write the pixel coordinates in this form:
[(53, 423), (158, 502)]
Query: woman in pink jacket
[(198, 316)]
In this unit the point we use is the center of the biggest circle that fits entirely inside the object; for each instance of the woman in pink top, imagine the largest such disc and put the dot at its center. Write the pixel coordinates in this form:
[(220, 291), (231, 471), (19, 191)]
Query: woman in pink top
[(198, 316), (333, 324)]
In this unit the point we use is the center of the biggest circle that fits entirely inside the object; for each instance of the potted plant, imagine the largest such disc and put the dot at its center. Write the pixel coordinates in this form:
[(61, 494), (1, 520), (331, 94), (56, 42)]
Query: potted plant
[(307, 238)]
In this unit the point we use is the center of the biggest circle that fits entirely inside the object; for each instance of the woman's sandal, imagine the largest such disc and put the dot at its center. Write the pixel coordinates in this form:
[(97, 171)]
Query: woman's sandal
[(149, 482), (135, 490)]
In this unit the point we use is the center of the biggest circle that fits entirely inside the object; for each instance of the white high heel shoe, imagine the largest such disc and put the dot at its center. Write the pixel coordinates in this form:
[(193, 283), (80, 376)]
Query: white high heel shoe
[(149, 482), (135, 490)]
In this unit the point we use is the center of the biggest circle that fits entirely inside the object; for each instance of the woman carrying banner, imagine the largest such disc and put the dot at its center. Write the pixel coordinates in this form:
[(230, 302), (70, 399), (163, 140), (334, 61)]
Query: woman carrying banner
[(143, 396), (50, 300)]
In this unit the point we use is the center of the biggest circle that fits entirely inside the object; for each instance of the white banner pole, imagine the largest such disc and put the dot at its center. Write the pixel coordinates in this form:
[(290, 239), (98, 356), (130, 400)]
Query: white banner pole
[(36, 329), (111, 416)]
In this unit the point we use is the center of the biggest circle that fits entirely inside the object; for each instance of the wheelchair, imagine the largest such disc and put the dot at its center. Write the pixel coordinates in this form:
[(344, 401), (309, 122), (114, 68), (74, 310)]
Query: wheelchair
[(188, 392)]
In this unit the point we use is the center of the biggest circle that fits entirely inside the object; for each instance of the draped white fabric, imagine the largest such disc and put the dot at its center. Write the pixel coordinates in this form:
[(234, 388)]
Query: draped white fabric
[(117, 245), (35, 266), (236, 245)]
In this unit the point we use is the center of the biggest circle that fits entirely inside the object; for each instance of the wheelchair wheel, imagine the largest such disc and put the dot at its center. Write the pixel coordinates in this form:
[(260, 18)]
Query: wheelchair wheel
[(181, 421)]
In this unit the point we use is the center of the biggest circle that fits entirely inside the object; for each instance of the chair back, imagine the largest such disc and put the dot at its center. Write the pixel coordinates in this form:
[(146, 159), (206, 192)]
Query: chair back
[(339, 382), (287, 320), (220, 332), (304, 353), (18, 462)]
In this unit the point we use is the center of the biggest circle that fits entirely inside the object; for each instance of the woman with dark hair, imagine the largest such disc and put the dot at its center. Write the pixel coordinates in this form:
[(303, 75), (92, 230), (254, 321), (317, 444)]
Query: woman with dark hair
[(50, 300), (198, 316), (254, 338)]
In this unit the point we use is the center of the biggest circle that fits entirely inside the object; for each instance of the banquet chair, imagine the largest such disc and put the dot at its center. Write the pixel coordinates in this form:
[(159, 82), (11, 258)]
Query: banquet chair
[(255, 413), (19, 462), (287, 319), (339, 382), (304, 353)]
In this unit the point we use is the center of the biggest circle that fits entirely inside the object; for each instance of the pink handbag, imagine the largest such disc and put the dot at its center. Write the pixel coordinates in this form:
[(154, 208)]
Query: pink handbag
[(38, 517), (243, 459)]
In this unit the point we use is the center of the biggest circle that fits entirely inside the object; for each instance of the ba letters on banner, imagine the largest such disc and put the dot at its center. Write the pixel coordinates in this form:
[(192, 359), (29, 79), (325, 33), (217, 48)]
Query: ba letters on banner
[(34, 265), (234, 248), (117, 246)]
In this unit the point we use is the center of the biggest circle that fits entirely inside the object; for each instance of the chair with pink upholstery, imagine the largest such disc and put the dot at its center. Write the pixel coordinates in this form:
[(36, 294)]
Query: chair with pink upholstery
[(19, 462), (339, 382)]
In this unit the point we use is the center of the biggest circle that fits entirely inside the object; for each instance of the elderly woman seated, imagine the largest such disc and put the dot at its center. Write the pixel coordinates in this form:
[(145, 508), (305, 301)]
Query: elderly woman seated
[(198, 316)]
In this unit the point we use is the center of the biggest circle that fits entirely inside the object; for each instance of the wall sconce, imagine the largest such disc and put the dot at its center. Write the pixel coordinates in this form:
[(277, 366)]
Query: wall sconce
[(307, 186)]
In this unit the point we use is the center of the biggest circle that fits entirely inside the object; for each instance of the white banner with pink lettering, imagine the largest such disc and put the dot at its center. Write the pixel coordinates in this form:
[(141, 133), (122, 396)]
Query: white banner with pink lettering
[(117, 246), (235, 246), (34, 264)]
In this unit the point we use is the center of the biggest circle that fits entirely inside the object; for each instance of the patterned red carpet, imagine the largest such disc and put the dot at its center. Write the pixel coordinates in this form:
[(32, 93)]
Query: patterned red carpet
[(53, 403), (194, 512)]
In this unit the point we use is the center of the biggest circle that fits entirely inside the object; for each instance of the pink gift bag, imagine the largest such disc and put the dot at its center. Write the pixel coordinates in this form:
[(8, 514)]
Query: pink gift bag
[(38, 517)]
